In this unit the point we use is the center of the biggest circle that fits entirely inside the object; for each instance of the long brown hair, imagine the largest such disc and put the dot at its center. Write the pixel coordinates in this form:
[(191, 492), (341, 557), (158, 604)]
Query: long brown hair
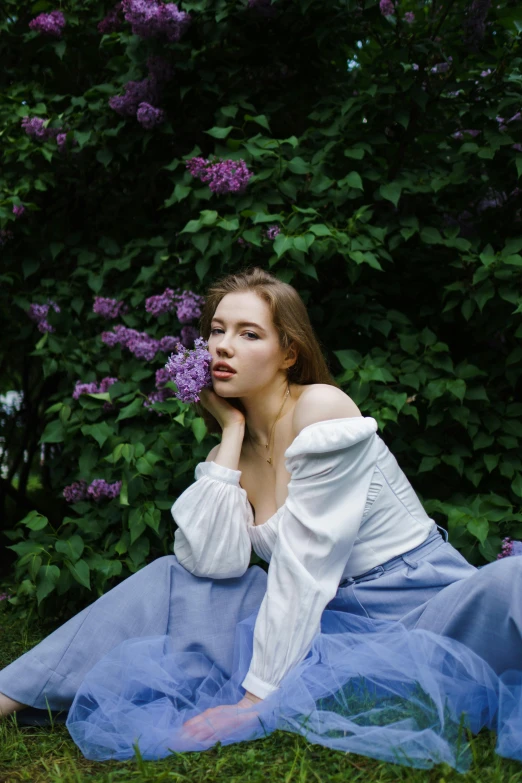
[(290, 318)]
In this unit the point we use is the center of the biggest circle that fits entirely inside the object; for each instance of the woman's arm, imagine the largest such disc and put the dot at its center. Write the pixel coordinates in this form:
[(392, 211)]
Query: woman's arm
[(229, 450)]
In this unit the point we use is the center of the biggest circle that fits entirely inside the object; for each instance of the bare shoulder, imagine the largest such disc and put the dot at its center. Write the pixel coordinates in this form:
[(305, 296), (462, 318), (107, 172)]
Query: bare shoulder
[(322, 402), (212, 453)]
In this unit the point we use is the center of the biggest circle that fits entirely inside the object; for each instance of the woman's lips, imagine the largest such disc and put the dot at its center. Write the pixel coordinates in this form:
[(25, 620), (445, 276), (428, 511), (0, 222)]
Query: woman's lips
[(222, 374)]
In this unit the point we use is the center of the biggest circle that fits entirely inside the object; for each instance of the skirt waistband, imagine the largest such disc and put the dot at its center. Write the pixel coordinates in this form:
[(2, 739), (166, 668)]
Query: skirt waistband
[(411, 558)]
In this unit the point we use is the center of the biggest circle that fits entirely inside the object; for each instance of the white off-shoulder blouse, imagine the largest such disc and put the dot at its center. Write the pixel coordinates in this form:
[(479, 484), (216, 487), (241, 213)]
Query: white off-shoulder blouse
[(349, 508)]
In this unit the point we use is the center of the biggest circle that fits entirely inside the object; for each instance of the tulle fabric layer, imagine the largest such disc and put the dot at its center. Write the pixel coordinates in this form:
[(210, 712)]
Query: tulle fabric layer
[(368, 687)]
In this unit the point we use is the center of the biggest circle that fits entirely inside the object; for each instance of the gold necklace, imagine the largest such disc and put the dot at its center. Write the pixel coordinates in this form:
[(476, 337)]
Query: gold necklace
[(266, 445)]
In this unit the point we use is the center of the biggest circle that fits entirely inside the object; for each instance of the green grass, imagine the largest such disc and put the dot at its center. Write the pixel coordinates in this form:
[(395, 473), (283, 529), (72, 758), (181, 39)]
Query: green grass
[(48, 755)]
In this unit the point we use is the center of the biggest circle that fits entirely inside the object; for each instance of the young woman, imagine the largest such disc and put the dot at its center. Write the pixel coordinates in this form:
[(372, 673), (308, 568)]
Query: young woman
[(370, 633)]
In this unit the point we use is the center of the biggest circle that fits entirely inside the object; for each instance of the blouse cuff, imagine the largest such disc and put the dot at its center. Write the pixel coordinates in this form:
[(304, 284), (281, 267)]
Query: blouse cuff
[(218, 472), (258, 687)]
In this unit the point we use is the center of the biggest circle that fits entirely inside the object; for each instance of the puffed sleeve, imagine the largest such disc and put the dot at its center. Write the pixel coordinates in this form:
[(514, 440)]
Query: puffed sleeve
[(331, 464), (212, 516)]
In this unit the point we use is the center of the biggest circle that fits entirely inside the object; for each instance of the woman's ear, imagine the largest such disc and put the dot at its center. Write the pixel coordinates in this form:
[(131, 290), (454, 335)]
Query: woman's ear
[(291, 357)]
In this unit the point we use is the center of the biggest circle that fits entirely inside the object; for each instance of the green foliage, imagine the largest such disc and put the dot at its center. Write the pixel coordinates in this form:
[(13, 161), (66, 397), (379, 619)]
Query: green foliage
[(402, 237)]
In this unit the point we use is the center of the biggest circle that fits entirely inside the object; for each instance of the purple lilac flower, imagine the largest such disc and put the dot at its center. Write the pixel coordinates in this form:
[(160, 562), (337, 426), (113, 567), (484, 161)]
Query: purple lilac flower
[(161, 303), (409, 17), (387, 7), (75, 492), (149, 117), (112, 22), (161, 394), (50, 24), (18, 211), (4, 596), (486, 72), (168, 343), (188, 306), (107, 308), (189, 335), (35, 128), (510, 548), (223, 176), (144, 91), (38, 314), (150, 18), (272, 232), (139, 343), (190, 371), (517, 147), (61, 140), (100, 489)]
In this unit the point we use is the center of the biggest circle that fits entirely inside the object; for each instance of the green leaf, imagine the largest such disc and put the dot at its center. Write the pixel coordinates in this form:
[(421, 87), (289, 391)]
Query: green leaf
[(427, 464), (199, 428), (220, 133), (100, 432), (46, 581), (53, 433), (282, 244), (320, 230), (134, 409), (72, 547), (354, 181), (516, 485), (81, 572), (479, 528), (391, 192), (299, 166), (35, 521), (104, 156), (260, 119)]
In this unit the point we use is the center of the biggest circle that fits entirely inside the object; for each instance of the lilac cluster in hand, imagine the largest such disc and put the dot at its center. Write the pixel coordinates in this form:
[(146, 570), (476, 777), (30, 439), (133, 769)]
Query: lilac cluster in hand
[(97, 490), (108, 308), (510, 548), (18, 211), (93, 387), (142, 345), (38, 313), (223, 176), (190, 371), (112, 22), (186, 303), (50, 24), (150, 18)]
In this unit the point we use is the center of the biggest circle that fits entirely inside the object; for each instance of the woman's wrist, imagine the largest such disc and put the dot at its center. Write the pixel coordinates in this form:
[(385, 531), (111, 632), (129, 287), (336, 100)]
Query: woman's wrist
[(231, 445), (252, 697)]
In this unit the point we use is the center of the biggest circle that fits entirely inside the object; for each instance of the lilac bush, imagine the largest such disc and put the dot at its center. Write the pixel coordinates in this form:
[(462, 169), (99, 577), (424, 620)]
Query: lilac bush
[(190, 371), (18, 211), (135, 93), (142, 345), (186, 303), (386, 7), (49, 24), (223, 176)]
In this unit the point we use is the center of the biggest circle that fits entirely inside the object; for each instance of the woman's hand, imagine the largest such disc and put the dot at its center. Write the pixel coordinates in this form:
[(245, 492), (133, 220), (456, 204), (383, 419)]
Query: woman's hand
[(216, 722), (224, 413)]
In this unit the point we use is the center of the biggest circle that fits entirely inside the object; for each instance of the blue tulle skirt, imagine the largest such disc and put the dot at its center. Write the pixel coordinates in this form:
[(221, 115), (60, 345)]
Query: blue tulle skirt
[(395, 684)]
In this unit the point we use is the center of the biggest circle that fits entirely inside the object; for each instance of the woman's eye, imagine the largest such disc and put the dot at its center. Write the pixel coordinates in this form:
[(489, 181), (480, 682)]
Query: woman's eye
[(250, 334)]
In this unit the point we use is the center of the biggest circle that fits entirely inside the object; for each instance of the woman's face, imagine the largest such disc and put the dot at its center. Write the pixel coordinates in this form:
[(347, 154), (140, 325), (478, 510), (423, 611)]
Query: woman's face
[(242, 335)]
